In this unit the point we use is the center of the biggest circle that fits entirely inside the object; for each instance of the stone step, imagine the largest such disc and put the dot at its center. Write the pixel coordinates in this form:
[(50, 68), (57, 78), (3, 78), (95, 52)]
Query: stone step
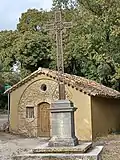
[(93, 154), (81, 148)]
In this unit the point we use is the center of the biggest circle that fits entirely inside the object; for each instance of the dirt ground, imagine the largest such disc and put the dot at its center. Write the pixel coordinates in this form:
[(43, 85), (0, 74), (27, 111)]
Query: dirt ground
[(111, 150), (14, 144)]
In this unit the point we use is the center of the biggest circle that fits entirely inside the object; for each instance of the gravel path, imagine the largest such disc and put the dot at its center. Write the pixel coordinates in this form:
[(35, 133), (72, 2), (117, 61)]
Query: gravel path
[(12, 144)]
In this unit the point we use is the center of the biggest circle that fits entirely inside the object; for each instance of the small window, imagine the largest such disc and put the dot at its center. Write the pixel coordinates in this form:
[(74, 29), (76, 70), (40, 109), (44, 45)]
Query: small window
[(29, 112), (43, 87)]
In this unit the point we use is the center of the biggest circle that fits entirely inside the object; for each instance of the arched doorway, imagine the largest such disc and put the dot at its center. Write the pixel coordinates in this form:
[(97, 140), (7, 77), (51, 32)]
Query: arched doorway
[(44, 120)]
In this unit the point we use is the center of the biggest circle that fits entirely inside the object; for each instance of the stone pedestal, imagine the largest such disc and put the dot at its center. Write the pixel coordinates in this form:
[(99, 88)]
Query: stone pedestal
[(62, 121)]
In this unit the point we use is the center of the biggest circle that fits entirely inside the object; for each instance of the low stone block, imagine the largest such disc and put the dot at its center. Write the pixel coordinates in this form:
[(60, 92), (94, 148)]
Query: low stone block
[(81, 148), (94, 154)]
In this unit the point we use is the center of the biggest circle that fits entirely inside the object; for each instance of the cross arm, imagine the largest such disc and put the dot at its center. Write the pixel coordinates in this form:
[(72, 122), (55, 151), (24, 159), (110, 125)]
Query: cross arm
[(49, 27), (67, 24)]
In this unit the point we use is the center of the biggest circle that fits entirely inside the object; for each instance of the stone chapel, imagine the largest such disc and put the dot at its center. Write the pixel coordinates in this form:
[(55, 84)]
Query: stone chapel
[(98, 107)]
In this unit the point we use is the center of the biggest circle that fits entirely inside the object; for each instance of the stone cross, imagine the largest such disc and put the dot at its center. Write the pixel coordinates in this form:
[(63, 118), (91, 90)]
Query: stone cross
[(58, 27)]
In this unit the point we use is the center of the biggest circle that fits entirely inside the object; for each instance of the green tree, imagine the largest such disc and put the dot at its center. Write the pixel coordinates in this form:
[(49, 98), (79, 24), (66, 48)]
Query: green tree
[(33, 50), (94, 41), (29, 45), (64, 4), (33, 20), (3, 99), (7, 60), (41, 18), (7, 56)]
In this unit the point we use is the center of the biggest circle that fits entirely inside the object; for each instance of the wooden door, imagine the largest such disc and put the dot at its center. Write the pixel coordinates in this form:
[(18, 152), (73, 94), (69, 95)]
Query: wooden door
[(43, 120)]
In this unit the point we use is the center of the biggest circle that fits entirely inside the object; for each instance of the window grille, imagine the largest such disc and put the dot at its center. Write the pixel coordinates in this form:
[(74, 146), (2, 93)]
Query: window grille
[(29, 112)]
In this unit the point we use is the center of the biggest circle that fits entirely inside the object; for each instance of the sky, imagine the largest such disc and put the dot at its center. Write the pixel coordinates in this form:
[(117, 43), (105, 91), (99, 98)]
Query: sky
[(10, 11)]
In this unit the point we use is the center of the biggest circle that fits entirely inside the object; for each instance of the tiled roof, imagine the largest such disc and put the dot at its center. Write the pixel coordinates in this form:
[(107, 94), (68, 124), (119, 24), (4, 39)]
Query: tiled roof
[(84, 85)]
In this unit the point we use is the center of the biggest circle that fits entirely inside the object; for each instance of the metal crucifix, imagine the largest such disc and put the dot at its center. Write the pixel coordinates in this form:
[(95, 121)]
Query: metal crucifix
[(58, 27)]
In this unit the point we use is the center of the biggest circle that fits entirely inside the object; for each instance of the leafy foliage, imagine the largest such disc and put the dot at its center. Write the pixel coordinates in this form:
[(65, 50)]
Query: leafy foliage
[(33, 20), (92, 42), (33, 50), (64, 4), (7, 56)]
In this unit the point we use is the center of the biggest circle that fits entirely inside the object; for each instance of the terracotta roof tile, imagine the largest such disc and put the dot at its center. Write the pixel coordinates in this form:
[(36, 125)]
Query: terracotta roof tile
[(84, 85)]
